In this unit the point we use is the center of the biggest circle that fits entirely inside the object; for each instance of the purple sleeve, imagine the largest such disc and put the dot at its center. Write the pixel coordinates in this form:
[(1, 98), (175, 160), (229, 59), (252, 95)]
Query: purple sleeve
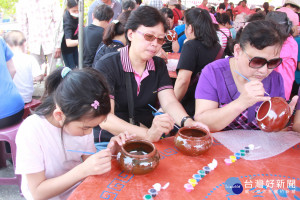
[(298, 103), (281, 86), (207, 87)]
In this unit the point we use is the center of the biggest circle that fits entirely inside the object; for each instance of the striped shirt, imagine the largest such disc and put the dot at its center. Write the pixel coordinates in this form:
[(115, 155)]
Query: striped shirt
[(224, 38), (127, 67)]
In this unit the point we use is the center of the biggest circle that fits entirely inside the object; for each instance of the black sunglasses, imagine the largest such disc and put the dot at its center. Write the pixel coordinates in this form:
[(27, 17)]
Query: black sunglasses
[(259, 62)]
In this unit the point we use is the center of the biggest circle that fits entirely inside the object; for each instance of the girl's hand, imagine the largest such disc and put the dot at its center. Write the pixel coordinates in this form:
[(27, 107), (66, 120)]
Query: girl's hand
[(161, 124), (252, 93), (117, 141), (98, 163)]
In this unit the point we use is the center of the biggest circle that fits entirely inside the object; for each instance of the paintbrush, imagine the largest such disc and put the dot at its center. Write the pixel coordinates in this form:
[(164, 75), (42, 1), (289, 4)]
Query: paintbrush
[(160, 114), (247, 79), (86, 152)]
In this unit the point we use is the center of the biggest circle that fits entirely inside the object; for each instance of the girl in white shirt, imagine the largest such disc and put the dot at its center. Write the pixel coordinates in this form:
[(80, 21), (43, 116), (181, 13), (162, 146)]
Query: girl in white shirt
[(73, 103)]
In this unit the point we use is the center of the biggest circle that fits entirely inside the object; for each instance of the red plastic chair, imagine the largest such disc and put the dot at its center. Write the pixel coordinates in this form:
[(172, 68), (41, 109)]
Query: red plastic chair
[(30, 106), (8, 135)]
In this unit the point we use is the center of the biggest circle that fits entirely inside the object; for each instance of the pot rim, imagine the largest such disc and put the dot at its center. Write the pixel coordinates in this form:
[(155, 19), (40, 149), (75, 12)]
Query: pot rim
[(270, 105), (139, 141), (194, 127)]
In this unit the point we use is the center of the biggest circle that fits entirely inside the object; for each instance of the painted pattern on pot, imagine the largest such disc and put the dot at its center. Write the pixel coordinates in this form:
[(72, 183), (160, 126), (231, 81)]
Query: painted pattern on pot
[(172, 35), (193, 141), (138, 157), (273, 115)]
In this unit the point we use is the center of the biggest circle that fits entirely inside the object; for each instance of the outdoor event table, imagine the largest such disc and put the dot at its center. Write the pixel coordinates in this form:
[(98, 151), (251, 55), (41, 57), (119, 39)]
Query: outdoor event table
[(175, 56), (176, 168)]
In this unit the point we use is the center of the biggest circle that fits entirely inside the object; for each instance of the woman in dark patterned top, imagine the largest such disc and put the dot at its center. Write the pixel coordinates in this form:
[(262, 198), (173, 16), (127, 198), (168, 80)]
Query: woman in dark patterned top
[(136, 67)]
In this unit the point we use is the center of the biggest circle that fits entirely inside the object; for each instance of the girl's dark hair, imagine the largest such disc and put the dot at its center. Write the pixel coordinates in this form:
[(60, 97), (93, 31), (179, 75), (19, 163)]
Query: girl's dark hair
[(259, 34), (213, 10), (223, 18), (266, 7), (167, 11), (222, 6), (202, 25), (103, 12), (144, 16), (256, 16), (284, 24), (138, 2), (116, 28), (74, 94), (72, 3), (128, 4), (178, 6), (231, 14)]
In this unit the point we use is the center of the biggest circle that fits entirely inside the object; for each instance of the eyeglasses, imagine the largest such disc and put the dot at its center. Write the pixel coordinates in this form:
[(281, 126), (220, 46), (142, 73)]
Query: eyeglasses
[(149, 37), (259, 62)]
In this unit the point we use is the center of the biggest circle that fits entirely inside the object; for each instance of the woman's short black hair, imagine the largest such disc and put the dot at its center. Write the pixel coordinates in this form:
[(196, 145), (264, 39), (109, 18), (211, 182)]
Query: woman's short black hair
[(128, 5), (144, 16), (167, 11), (223, 18), (213, 10), (103, 12), (202, 25), (116, 27), (281, 18), (74, 94), (222, 6), (266, 7), (138, 2), (230, 14), (256, 16), (260, 34), (72, 3)]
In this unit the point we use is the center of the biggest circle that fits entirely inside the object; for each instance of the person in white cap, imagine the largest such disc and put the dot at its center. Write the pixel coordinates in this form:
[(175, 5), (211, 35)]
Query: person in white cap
[(291, 7), (176, 11)]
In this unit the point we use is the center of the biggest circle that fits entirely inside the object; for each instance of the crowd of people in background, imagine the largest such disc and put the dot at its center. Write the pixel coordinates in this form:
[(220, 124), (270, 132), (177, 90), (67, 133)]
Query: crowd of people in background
[(230, 57)]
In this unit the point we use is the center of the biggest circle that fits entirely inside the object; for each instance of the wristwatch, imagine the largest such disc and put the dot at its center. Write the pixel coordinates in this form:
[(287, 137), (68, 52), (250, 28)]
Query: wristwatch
[(184, 119)]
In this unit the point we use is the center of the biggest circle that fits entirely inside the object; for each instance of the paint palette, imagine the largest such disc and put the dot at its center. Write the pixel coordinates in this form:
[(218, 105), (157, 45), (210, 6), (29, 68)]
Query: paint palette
[(192, 182)]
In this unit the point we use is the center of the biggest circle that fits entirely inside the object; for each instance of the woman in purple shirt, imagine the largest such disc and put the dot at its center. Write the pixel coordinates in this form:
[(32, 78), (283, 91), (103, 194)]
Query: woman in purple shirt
[(230, 90)]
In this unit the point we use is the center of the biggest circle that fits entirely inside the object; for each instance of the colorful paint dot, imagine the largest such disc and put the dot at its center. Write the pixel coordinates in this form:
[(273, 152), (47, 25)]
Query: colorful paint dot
[(147, 197)]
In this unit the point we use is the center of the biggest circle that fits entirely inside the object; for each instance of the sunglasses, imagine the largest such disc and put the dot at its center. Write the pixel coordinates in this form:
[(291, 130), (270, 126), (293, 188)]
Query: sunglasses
[(149, 37), (259, 62)]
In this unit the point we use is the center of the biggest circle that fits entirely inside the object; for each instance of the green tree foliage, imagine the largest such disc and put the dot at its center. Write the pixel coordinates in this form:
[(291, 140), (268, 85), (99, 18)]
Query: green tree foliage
[(8, 7)]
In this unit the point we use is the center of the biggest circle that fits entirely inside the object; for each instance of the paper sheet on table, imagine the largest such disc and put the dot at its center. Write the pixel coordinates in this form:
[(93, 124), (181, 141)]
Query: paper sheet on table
[(172, 64), (271, 144)]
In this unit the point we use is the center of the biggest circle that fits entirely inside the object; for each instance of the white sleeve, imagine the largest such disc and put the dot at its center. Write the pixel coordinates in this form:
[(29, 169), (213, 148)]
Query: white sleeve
[(30, 158)]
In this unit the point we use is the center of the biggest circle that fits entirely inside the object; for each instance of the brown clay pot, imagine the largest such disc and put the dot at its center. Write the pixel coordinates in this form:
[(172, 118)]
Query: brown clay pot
[(193, 141), (273, 115), (172, 35), (138, 157)]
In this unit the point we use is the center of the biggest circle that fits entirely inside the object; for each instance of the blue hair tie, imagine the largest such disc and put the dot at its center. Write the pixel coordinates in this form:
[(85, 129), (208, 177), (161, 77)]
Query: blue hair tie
[(65, 71)]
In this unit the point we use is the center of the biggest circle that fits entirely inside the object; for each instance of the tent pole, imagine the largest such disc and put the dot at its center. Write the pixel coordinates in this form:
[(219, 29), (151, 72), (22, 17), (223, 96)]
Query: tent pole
[(80, 36)]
